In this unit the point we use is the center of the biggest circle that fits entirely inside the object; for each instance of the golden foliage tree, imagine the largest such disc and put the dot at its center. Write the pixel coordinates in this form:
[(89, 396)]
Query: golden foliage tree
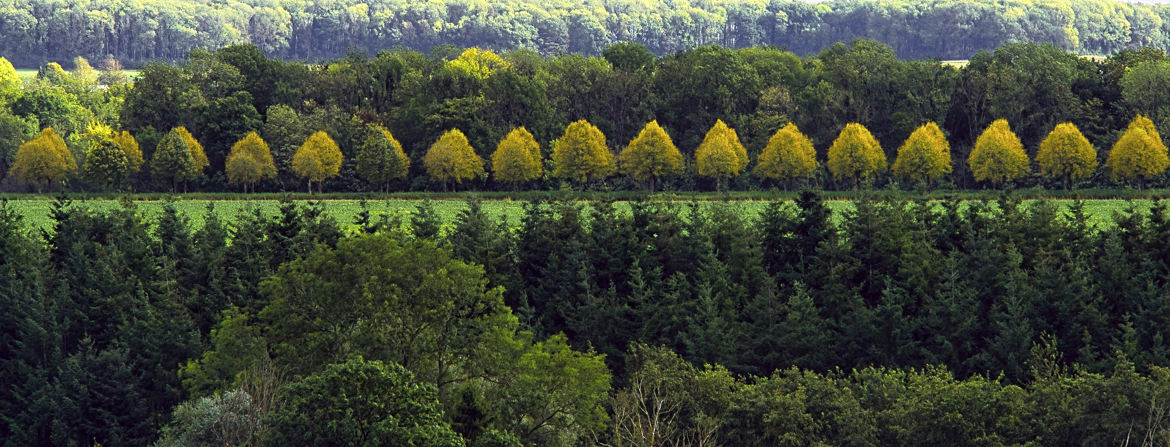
[(720, 156), (517, 158), (129, 145), (478, 63), (998, 155), (10, 82), (249, 161), (651, 156), (43, 160), (451, 158), (317, 159), (1066, 154), (197, 154), (1139, 154), (106, 163), (856, 154), (173, 161), (925, 156), (789, 155), (581, 155), (381, 159)]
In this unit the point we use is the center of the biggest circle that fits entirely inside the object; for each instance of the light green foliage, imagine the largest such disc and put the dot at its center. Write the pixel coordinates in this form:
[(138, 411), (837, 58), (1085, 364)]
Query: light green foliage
[(789, 155), (14, 131), (478, 63), (44, 159), (105, 163), (250, 160), (856, 155), (129, 144), (1139, 154), (998, 155), (1144, 87), (83, 72), (925, 156), (581, 154), (451, 158), (721, 155), (10, 82), (230, 418), (652, 155), (1067, 154), (236, 346), (517, 158), (317, 159), (198, 155), (381, 159), (53, 74), (173, 160)]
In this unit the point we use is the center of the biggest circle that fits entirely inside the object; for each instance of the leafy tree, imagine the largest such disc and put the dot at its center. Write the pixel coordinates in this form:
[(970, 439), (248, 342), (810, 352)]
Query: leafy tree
[(129, 145), (111, 72), (198, 155), (856, 154), (250, 161), (1139, 153), (360, 403), (451, 158), (1067, 154), (230, 418), (43, 159), (925, 156), (317, 159), (998, 155), (106, 163), (381, 159), (720, 155), (477, 63), (652, 155), (517, 158), (581, 154), (173, 160), (14, 131), (789, 155), (10, 82)]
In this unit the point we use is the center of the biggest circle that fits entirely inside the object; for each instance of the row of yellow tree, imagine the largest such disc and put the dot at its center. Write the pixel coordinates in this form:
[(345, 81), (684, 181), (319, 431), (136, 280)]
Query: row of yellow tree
[(581, 155)]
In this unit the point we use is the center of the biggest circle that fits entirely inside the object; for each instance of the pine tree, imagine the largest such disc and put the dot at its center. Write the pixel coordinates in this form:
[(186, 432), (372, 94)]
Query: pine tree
[(249, 161), (925, 156), (42, 160), (451, 158), (517, 158), (581, 154), (173, 160), (998, 155), (720, 155), (381, 159), (651, 156), (1067, 154), (317, 159), (856, 155), (1139, 153), (788, 156)]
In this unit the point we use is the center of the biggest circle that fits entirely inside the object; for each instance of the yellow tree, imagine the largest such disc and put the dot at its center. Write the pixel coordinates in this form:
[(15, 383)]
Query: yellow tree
[(10, 82), (1139, 153), (720, 156), (925, 156), (651, 156), (249, 161), (581, 155), (856, 154), (317, 159), (998, 155), (477, 63), (1066, 154), (381, 159), (43, 160), (129, 145), (451, 158), (197, 154), (517, 158), (789, 155)]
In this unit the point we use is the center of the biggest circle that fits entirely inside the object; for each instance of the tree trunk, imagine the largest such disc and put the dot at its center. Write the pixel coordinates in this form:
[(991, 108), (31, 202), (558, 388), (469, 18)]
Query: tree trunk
[(310, 187), (652, 178)]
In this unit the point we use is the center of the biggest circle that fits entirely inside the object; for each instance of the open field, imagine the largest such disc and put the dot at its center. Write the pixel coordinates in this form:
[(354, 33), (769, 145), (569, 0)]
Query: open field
[(28, 74)]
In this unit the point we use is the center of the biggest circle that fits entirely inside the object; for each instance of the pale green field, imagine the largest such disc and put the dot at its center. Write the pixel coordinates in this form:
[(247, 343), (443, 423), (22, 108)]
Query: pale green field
[(29, 74)]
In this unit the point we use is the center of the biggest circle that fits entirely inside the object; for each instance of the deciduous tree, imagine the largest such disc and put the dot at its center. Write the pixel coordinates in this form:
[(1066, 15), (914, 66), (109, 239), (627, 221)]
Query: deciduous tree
[(1139, 154), (998, 155), (856, 155), (789, 155), (106, 163), (198, 155), (381, 159), (720, 155), (10, 82), (651, 156), (249, 161), (317, 159), (925, 156), (129, 144), (451, 158), (42, 160), (581, 154), (173, 160), (1067, 154), (517, 158)]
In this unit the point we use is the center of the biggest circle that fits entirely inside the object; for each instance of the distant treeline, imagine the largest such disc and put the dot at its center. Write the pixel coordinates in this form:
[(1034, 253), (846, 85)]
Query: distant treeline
[(33, 32)]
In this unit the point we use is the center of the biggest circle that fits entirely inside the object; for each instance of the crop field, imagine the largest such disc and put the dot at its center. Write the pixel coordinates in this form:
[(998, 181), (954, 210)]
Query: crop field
[(36, 211), (29, 74)]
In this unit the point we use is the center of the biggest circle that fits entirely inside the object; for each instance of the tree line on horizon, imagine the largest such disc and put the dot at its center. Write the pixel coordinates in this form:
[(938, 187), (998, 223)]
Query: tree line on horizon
[(482, 120)]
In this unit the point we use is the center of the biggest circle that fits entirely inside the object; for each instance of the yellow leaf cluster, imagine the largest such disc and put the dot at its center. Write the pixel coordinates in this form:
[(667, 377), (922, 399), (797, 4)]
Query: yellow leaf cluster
[(317, 159), (451, 157), (517, 157), (788, 155), (1066, 153), (998, 155), (651, 154), (856, 154), (720, 155), (925, 156), (197, 153), (581, 154), (43, 159), (1139, 153), (478, 63), (128, 144), (250, 160)]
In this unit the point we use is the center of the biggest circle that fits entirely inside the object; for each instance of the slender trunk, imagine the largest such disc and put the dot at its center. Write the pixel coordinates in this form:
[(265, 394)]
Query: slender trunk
[(652, 184), (310, 187)]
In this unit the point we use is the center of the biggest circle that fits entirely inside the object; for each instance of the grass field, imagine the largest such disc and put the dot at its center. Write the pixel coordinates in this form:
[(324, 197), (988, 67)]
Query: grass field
[(29, 74), (36, 211)]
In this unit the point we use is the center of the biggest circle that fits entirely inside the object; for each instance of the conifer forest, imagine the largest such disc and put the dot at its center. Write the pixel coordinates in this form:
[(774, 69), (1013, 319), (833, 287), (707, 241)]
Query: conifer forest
[(584, 270)]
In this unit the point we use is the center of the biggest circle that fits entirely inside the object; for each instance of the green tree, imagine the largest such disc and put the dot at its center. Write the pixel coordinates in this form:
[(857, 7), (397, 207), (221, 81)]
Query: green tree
[(129, 144), (651, 156), (581, 154), (720, 155), (198, 155), (317, 159), (517, 158), (998, 155), (43, 159), (249, 161), (173, 160), (1067, 154), (10, 82), (789, 155), (925, 156), (451, 158), (360, 403), (856, 155), (1139, 153), (381, 159), (106, 163), (477, 63)]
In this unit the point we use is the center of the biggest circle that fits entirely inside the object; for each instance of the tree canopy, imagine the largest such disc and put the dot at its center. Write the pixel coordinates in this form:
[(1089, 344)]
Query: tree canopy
[(1067, 154), (517, 158), (580, 154), (451, 158), (998, 155), (317, 159), (652, 155), (925, 156), (43, 160), (1139, 154), (789, 155), (856, 155), (720, 155), (250, 161)]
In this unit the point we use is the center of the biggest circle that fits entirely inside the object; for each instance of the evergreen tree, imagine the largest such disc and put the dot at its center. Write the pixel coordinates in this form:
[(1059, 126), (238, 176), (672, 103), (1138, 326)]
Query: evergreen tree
[(998, 155), (1067, 154), (651, 156), (381, 159), (856, 155), (925, 156), (788, 156), (581, 154), (452, 159)]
